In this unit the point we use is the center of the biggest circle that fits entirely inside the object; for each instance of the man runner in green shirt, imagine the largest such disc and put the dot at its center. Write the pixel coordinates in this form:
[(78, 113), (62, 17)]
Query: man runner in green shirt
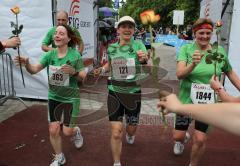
[(62, 19)]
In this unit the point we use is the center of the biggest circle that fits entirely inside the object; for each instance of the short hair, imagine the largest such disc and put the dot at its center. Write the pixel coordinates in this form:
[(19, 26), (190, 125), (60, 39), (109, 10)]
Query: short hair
[(64, 12)]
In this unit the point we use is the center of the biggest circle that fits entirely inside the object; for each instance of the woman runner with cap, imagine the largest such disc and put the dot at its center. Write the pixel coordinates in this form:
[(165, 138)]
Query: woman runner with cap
[(195, 74), (124, 95)]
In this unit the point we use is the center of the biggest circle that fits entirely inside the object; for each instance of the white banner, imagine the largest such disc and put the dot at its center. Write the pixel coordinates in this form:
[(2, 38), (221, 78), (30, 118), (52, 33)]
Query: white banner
[(36, 17), (211, 9)]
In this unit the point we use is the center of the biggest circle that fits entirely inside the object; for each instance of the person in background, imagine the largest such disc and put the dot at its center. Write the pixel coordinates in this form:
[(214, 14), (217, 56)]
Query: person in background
[(62, 19), (9, 43), (124, 95), (195, 74), (189, 33), (64, 67)]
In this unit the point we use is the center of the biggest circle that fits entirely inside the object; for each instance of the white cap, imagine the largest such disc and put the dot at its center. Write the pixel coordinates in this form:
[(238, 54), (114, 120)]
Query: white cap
[(126, 19)]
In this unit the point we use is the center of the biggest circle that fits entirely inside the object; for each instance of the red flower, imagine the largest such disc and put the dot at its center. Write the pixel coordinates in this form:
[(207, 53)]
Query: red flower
[(218, 23)]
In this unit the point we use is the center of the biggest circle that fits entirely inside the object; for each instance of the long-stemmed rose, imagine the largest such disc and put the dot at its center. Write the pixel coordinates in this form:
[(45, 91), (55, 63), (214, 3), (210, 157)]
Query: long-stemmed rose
[(214, 56), (149, 18), (17, 30)]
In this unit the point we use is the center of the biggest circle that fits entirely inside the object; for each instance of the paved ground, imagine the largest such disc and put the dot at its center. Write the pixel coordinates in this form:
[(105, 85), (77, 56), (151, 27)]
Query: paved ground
[(22, 134)]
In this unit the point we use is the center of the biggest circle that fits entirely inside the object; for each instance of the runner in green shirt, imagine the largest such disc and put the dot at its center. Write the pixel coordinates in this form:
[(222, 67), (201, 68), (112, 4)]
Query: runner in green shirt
[(195, 74), (62, 19), (124, 97), (64, 66)]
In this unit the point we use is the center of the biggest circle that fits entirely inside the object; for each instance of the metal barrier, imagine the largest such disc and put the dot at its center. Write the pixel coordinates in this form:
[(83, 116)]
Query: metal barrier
[(6, 79)]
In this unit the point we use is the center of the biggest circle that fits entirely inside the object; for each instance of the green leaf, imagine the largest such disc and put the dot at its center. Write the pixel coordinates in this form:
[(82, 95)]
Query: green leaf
[(215, 55), (20, 29), (219, 60), (209, 51), (12, 24), (208, 60), (14, 32), (221, 55)]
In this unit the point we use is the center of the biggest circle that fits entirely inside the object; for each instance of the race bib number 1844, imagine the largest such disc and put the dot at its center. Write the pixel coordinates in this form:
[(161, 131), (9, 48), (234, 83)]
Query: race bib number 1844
[(202, 94)]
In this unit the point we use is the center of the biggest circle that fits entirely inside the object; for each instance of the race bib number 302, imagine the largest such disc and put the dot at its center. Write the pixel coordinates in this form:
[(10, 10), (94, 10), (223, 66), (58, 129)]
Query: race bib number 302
[(57, 77), (202, 94)]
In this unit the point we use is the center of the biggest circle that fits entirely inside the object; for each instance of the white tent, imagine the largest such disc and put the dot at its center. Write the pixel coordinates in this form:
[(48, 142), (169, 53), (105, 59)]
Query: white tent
[(37, 17)]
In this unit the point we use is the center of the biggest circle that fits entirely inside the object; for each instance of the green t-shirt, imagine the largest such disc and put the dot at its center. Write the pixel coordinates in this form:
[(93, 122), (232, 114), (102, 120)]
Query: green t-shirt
[(69, 92), (125, 65), (202, 73), (48, 39)]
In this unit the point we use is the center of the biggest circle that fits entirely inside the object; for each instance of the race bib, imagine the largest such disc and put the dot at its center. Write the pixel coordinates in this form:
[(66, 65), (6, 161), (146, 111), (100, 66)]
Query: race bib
[(57, 77), (202, 94), (123, 68)]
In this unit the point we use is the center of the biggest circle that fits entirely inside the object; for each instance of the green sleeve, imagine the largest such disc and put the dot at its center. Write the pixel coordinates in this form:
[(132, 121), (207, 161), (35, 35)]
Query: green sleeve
[(182, 56), (45, 58), (142, 47), (48, 39)]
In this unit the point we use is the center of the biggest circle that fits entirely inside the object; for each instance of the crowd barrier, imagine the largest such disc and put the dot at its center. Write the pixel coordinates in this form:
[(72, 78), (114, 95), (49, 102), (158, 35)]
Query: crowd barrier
[(7, 90)]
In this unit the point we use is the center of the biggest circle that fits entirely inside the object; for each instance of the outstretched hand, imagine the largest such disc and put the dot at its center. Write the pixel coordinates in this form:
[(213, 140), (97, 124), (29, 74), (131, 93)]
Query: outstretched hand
[(68, 69), (169, 103), (214, 83), (97, 71), (21, 59), (12, 42)]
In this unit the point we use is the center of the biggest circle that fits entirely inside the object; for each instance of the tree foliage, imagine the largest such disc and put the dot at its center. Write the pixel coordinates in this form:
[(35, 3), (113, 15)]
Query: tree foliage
[(164, 8)]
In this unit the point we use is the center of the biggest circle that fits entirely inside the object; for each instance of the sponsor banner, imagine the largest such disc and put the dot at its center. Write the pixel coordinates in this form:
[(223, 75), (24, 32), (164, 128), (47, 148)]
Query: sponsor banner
[(211, 9), (81, 16)]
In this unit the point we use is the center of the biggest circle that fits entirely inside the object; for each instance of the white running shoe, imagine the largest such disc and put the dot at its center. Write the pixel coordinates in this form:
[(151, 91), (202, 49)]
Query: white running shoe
[(58, 160), (178, 148), (117, 164), (78, 139), (130, 139)]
